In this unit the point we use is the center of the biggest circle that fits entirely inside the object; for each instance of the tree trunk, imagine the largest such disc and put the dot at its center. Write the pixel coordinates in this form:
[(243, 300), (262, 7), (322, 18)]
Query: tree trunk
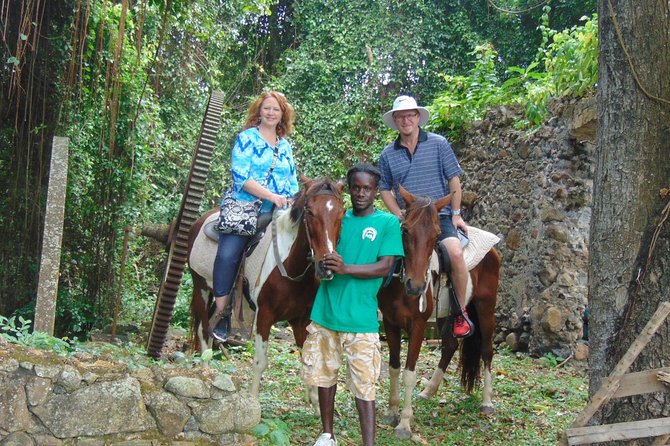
[(630, 229)]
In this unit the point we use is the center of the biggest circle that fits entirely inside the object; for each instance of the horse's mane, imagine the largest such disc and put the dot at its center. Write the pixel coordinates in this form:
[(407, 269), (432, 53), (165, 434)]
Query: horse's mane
[(421, 210), (299, 199)]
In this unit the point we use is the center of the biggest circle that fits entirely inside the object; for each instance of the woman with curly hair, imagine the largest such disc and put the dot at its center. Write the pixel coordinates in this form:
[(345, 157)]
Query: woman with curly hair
[(262, 168)]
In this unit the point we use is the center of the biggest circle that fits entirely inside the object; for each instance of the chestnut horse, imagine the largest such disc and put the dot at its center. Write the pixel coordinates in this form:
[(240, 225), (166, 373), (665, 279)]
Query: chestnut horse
[(406, 302), (286, 289)]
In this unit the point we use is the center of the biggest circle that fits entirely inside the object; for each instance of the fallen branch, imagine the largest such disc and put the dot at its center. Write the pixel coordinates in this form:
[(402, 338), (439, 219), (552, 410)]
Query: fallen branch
[(664, 377), (565, 360)]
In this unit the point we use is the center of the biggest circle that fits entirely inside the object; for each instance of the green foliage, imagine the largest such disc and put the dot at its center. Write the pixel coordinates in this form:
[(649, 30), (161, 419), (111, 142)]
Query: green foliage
[(571, 59), (552, 360), (143, 178), (273, 430), (468, 97), (341, 82), (18, 332), (570, 62)]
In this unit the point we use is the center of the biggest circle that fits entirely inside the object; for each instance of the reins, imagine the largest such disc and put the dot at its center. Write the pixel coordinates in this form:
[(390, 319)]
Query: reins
[(301, 216), (401, 273)]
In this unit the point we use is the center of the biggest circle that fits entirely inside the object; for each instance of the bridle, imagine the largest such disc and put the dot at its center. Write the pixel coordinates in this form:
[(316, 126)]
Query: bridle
[(401, 275), (301, 216)]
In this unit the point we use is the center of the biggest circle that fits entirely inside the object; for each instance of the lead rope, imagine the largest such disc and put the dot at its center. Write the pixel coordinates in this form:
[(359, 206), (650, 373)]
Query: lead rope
[(429, 283)]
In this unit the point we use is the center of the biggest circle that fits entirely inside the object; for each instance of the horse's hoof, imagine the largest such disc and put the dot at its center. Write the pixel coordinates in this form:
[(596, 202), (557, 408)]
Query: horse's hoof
[(403, 434), (425, 395), (391, 419), (487, 410)]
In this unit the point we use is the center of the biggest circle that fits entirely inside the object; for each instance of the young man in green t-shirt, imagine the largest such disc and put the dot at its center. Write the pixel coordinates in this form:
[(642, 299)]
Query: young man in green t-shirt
[(344, 316)]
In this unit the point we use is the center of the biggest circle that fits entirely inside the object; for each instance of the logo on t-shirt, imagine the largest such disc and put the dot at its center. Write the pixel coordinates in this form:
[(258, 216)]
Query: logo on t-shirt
[(370, 233)]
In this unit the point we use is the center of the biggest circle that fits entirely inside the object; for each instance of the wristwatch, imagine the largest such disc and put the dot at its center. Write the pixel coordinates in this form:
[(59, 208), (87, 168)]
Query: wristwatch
[(455, 212)]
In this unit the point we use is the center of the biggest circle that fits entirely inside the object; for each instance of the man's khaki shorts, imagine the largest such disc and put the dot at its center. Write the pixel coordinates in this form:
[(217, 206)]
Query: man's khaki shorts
[(322, 357)]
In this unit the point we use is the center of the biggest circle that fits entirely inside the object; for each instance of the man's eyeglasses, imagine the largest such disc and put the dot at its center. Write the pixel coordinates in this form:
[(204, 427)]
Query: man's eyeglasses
[(400, 117)]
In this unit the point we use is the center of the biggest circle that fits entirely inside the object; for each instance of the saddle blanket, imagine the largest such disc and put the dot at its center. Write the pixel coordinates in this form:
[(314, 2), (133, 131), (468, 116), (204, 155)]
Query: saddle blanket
[(480, 243), (258, 265)]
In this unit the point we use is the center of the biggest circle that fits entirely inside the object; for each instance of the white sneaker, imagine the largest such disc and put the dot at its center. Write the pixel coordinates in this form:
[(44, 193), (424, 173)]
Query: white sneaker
[(325, 440)]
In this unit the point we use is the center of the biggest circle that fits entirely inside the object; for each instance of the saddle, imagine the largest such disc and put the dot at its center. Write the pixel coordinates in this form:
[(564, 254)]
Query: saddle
[(209, 229), (475, 246)]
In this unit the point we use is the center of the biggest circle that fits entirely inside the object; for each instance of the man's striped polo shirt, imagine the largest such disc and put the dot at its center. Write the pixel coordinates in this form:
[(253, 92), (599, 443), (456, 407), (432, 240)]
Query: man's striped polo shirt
[(426, 173)]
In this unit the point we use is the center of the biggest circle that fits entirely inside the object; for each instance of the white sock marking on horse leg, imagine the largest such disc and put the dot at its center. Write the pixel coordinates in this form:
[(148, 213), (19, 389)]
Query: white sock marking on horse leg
[(409, 380), (488, 388), (433, 384), (201, 328), (260, 362), (394, 392), (201, 337)]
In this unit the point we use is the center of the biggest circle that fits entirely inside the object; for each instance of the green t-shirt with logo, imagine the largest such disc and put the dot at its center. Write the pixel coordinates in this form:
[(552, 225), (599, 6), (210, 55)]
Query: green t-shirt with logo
[(347, 303)]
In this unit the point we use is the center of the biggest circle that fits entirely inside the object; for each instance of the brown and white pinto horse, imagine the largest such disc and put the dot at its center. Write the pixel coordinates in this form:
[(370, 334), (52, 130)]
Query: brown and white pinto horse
[(313, 227), (406, 302)]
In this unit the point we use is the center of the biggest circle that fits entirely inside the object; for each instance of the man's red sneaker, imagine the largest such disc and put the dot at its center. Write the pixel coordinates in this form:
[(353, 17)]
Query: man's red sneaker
[(463, 326)]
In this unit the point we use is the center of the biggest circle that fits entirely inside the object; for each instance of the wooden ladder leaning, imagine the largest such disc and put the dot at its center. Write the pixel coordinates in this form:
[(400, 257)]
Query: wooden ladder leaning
[(620, 384)]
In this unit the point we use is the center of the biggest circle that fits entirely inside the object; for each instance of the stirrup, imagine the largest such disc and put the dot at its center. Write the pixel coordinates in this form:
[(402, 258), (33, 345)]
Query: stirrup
[(216, 317), (221, 330)]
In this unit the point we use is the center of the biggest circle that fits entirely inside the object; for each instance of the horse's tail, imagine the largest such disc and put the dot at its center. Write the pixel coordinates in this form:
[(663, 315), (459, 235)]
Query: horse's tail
[(470, 354), (200, 312)]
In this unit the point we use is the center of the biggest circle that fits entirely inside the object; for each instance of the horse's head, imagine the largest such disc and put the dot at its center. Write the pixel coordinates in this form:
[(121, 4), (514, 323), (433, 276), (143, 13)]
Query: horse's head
[(420, 230), (320, 204)]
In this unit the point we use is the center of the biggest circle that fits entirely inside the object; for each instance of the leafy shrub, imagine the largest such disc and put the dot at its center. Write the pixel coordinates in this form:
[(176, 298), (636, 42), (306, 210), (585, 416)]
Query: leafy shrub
[(570, 62), (468, 97), (18, 331), (274, 430)]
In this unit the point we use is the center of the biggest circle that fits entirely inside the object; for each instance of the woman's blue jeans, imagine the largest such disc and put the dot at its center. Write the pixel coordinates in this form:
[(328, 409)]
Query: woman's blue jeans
[(227, 261)]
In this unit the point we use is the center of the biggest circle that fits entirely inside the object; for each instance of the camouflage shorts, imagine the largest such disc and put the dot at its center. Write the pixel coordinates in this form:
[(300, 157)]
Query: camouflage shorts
[(322, 358)]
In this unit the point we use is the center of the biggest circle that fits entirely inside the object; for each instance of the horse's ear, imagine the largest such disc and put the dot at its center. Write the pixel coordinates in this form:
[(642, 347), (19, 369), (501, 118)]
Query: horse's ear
[(442, 202), (340, 185), (306, 181), (406, 195)]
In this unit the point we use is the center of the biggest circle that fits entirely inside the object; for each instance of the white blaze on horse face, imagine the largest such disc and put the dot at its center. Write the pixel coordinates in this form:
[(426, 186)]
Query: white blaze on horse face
[(329, 242)]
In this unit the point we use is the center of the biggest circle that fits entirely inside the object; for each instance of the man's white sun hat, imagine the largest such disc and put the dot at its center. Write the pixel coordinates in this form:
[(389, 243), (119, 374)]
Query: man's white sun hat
[(405, 103)]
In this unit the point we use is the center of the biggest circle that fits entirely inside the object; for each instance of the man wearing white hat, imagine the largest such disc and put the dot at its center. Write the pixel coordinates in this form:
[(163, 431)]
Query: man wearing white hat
[(425, 164)]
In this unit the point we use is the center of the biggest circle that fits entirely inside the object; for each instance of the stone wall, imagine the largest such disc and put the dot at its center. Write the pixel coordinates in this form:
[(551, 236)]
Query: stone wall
[(49, 400), (533, 189)]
